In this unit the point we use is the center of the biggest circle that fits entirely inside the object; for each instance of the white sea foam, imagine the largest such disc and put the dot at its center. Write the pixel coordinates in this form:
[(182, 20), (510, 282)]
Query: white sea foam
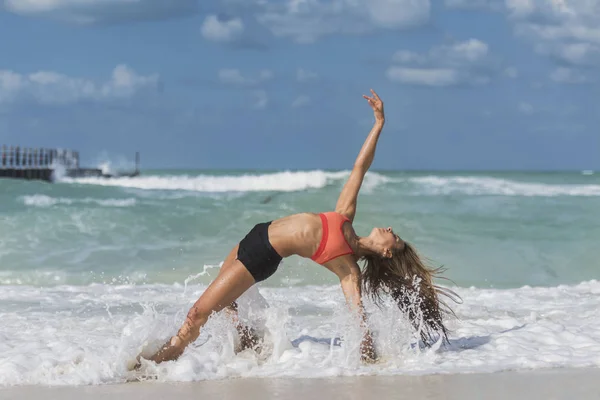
[(90, 335), (287, 181), (472, 185), (290, 181), (40, 200)]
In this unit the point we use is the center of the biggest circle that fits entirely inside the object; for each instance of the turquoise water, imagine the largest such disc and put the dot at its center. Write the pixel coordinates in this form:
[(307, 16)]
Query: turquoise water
[(94, 272), (488, 229)]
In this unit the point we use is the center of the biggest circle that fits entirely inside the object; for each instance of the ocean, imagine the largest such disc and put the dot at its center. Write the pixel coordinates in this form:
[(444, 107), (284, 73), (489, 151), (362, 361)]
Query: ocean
[(95, 271)]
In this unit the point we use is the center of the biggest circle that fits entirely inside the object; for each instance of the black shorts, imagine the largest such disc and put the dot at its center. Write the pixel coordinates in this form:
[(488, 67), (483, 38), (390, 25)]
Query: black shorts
[(257, 254)]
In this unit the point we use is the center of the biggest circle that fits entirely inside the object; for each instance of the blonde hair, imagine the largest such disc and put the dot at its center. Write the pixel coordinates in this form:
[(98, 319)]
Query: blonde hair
[(409, 281)]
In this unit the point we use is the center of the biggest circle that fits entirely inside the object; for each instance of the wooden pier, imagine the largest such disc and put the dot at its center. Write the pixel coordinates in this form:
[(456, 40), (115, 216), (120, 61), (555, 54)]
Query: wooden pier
[(43, 164)]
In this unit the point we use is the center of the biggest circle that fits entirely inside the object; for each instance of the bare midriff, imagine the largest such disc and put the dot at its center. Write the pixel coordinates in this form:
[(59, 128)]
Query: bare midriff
[(297, 234), (300, 234)]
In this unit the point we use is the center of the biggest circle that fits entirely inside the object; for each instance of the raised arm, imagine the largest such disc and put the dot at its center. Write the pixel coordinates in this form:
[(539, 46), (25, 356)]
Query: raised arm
[(346, 204)]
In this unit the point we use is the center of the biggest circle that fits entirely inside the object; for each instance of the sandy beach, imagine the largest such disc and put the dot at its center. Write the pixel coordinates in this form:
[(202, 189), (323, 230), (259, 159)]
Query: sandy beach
[(580, 384)]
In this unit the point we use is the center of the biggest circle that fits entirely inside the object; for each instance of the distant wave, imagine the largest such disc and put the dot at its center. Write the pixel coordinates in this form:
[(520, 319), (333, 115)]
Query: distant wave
[(40, 200), (437, 185), (286, 181), (291, 181)]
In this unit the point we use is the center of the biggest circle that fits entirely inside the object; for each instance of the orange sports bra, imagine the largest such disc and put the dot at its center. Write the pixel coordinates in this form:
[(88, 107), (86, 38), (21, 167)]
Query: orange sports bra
[(333, 243)]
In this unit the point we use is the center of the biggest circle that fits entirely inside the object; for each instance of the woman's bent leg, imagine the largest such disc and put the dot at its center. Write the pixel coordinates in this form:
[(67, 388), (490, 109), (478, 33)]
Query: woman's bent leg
[(233, 280)]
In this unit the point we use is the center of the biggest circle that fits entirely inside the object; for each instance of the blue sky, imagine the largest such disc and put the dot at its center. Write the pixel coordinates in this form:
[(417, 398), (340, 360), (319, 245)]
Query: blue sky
[(467, 84)]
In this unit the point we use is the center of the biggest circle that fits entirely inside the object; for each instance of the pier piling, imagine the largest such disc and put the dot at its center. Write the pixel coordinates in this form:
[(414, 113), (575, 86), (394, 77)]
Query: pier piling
[(41, 164)]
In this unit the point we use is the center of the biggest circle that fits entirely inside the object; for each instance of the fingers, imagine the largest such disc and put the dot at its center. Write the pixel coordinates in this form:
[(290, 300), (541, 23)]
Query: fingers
[(373, 100), (375, 95)]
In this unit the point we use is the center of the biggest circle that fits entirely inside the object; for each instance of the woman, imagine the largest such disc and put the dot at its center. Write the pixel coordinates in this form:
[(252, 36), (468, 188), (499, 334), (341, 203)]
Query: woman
[(391, 265)]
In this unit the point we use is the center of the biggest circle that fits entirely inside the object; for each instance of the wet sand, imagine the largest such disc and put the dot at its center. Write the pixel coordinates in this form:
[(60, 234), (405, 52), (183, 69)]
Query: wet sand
[(572, 384)]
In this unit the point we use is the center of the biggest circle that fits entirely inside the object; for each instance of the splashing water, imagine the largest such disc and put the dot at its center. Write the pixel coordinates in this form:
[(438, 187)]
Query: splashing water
[(95, 272)]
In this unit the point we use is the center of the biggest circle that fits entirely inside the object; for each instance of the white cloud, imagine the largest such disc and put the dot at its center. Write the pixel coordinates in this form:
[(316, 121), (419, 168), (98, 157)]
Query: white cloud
[(568, 30), (301, 20), (475, 4), (222, 30), (10, 85), (233, 76), (48, 87), (301, 101), (511, 72), (305, 21), (526, 108), (462, 62), (423, 76), (396, 13), (303, 75), (94, 11), (461, 53), (265, 75), (576, 54), (471, 50), (567, 75), (405, 56), (262, 99)]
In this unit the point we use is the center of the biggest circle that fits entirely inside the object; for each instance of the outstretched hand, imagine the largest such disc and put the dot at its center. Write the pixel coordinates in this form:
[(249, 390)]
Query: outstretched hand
[(376, 104)]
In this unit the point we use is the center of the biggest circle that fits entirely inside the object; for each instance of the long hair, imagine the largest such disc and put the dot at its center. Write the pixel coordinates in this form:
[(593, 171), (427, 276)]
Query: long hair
[(409, 281)]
